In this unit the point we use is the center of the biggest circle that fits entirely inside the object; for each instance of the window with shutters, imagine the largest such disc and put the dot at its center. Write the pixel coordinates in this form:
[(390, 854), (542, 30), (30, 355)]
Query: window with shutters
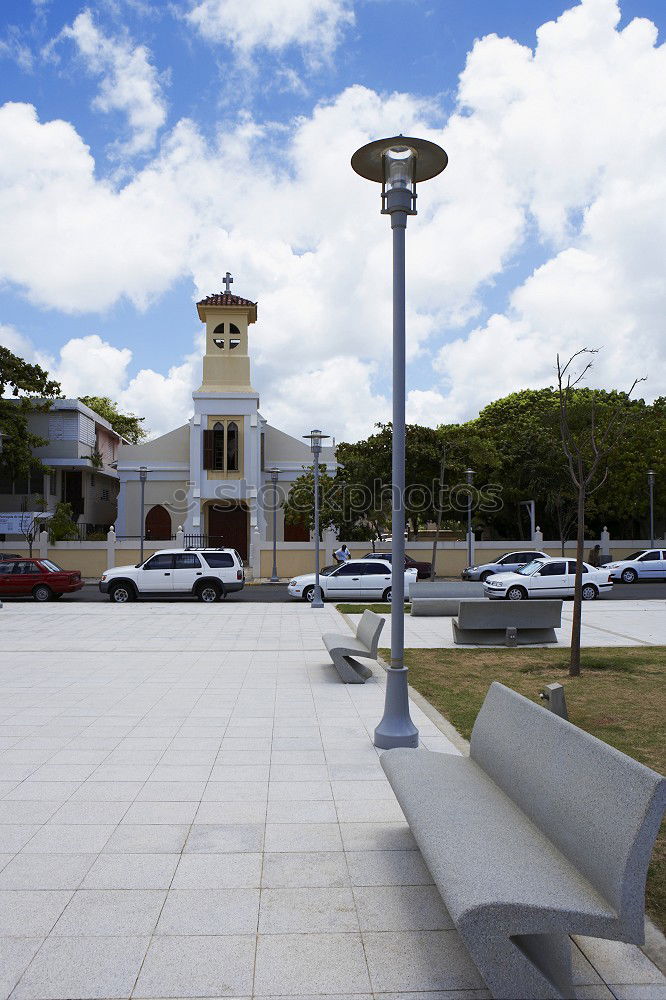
[(232, 446), (222, 447), (218, 446)]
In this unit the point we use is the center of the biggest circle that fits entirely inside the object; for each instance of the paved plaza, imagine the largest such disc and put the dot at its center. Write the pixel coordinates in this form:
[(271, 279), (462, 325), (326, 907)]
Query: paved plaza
[(614, 623), (191, 806)]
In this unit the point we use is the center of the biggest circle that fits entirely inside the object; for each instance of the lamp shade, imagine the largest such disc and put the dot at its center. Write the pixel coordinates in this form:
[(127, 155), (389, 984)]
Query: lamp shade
[(399, 159)]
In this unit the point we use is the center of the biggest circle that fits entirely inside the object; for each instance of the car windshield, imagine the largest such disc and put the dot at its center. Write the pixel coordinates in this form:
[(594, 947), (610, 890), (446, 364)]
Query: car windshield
[(51, 566), (530, 568), (635, 555)]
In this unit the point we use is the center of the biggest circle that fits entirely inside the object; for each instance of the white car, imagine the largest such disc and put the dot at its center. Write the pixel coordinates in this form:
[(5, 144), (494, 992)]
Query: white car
[(358, 579), (207, 573), (646, 564), (550, 577)]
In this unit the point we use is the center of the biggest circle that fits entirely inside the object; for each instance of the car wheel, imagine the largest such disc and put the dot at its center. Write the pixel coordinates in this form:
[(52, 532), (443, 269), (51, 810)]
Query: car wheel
[(42, 593), (629, 576), (589, 592), (484, 576), (208, 593), (122, 593), (516, 594), (308, 594)]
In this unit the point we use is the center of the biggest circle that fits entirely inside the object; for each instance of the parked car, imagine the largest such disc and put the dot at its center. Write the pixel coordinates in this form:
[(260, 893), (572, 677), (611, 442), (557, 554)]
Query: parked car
[(358, 579), (646, 564), (208, 574), (509, 562), (37, 578), (422, 568), (9, 555), (548, 577)]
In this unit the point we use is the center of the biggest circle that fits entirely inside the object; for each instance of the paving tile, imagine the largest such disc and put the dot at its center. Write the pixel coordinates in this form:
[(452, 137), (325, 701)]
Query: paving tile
[(619, 963), (231, 812), (224, 838), (45, 871), (299, 772), (419, 960), (110, 912), (134, 838), (107, 791), (86, 813), (160, 812), (377, 837), (55, 838), (401, 908), (387, 868), (171, 791), (82, 968), (373, 811), (35, 791), (30, 913), (210, 911), (303, 837), (17, 811), (218, 871), (293, 964), (311, 869), (236, 772), (15, 956), (315, 811), (211, 966), (236, 791), (294, 791), (307, 911), (640, 991), (131, 871), (13, 838)]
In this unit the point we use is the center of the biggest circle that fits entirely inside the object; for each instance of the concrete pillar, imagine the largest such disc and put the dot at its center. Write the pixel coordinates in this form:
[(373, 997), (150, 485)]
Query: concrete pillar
[(604, 541), (110, 547), (255, 553), (43, 544), (330, 540), (471, 545), (180, 537), (538, 538)]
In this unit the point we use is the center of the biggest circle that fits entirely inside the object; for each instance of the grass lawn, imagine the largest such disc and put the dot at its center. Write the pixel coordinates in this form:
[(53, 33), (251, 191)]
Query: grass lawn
[(358, 608), (620, 698)]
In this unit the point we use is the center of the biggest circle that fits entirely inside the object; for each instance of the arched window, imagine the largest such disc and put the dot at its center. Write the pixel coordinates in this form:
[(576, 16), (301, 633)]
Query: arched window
[(218, 445), (234, 339), (218, 336), (232, 446)]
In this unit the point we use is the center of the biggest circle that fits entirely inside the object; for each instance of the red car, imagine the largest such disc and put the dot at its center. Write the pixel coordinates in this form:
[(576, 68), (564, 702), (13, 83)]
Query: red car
[(38, 578)]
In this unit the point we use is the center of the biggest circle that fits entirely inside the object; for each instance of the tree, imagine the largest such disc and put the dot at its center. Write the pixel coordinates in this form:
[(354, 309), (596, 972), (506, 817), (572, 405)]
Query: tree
[(61, 526), (589, 435), (126, 424), (31, 387), (31, 524), (299, 504)]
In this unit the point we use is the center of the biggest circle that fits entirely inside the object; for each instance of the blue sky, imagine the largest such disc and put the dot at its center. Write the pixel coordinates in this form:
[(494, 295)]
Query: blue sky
[(149, 147)]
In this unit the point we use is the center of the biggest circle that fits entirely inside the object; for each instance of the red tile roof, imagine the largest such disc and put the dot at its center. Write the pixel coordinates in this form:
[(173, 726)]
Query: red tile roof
[(225, 299)]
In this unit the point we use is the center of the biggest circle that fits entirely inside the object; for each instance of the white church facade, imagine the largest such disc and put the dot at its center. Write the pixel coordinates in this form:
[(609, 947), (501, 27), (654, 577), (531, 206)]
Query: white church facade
[(210, 476)]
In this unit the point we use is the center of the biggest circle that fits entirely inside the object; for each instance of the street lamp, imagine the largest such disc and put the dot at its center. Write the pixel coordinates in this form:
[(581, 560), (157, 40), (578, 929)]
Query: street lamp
[(469, 474), (143, 475), (315, 438), (650, 478), (398, 164), (274, 473)]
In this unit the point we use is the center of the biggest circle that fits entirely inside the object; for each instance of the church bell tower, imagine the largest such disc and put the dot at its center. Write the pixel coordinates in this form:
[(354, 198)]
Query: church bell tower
[(226, 363)]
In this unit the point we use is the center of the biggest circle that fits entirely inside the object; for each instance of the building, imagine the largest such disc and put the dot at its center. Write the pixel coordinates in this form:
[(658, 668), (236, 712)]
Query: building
[(81, 451), (209, 475)]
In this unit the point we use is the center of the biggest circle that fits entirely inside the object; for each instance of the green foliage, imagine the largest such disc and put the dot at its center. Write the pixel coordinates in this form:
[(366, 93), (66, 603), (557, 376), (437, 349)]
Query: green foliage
[(61, 526), (126, 424), (31, 388), (299, 505)]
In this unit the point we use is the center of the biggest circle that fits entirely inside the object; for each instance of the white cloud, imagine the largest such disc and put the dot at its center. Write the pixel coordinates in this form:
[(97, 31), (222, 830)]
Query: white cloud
[(546, 146), (315, 26), (130, 83)]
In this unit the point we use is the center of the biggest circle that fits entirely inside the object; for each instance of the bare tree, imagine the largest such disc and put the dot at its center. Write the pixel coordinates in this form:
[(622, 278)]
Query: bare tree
[(440, 505), (31, 523), (586, 448)]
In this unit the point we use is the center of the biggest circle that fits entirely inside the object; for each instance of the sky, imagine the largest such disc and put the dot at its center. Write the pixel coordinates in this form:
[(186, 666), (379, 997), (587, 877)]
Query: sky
[(148, 147)]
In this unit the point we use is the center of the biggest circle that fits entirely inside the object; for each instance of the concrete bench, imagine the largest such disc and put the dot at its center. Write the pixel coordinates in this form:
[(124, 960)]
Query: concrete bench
[(441, 607), (515, 623), (345, 650), (446, 588), (542, 832)]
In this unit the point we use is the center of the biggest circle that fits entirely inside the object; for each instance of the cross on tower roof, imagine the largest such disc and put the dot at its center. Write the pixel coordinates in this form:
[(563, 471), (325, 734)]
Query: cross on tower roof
[(227, 280)]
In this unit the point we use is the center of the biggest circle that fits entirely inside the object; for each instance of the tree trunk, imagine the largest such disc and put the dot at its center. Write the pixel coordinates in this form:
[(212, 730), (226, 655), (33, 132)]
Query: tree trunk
[(574, 662), (439, 524)]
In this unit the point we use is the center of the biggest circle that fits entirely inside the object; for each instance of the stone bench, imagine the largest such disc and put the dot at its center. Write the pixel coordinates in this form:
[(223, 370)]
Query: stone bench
[(345, 650), (441, 607), (446, 588), (542, 832), (514, 623)]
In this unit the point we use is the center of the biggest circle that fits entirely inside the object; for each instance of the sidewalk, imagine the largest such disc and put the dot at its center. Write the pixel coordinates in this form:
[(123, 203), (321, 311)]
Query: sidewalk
[(192, 807)]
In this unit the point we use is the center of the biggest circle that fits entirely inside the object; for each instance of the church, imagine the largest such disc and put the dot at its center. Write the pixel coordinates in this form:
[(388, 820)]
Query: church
[(209, 476)]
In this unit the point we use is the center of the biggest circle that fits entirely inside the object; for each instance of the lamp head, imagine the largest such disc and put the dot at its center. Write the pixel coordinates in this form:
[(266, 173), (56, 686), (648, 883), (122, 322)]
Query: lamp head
[(143, 473), (316, 438), (470, 475), (400, 162), (274, 473), (651, 477)]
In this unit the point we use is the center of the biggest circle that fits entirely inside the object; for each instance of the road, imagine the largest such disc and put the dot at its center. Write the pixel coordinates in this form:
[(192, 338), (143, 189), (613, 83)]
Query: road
[(269, 593)]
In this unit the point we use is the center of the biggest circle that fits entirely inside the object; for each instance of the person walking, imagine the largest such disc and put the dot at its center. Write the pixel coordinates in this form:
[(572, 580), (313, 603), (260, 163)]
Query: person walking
[(594, 556), (342, 555)]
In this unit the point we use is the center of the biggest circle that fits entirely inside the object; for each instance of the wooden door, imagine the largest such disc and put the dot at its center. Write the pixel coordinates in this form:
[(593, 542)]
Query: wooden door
[(227, 526), (158, 524)]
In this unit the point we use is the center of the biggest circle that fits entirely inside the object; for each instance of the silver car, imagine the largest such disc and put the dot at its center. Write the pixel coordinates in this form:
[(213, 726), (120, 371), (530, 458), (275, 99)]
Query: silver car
[(646, 564), (509, 562)]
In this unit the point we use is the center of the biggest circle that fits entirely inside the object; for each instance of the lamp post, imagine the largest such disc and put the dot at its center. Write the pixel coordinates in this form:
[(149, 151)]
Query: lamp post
[(469, 475), (274, 473), (143, 475), (315, 438), (650, 479), (398, 164)]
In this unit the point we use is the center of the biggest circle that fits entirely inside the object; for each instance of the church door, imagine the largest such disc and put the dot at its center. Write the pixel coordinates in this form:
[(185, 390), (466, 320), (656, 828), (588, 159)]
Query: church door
[(227, 526), (158, 524)]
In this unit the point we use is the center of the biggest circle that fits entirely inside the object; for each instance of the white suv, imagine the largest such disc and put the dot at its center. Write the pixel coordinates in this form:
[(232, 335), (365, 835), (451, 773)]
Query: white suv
[(207, 573)]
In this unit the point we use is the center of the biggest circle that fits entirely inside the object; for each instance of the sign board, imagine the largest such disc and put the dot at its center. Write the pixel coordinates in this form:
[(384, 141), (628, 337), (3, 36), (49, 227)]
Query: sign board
[(16, 522)]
